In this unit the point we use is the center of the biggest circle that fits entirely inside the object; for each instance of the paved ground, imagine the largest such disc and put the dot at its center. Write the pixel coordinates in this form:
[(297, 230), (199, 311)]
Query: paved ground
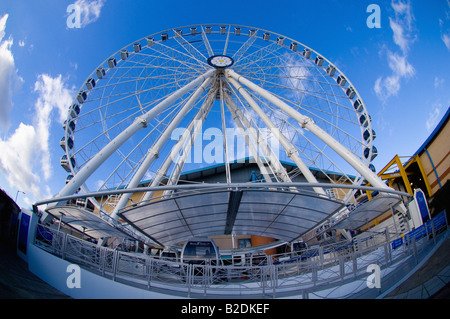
[(431, 280), (17, 282)]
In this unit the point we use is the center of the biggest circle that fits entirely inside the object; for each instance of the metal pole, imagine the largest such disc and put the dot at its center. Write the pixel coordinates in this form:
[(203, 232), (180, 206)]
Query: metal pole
[(289, 148), (138, 124), (233, 109), (194, 126), (153, 152), (308, 124)]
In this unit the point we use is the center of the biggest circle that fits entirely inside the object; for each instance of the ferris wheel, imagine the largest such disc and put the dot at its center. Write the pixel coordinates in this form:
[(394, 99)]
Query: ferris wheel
[(200, 95)]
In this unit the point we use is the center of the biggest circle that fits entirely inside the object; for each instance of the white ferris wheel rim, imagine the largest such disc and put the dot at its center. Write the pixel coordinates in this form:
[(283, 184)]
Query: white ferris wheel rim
[(174, 35)]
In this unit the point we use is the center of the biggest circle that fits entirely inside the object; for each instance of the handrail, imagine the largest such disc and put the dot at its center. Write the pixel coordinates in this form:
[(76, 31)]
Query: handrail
[(310, 271), (218, 186)]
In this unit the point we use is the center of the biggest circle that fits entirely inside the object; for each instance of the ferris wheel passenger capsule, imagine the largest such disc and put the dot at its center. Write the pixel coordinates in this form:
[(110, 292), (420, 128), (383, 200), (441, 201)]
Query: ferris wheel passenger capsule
[(350, 93), (66, 144), (112, 63), (82, 96), (123, 54), (307, 53), (319, 61), (70, 127), (65, 162), (90, 83), (341, 80), (358, 105), (374, 152), (100, 73), (74, 110), (294, 46), (368, 135), (150, 41), (331, 70)]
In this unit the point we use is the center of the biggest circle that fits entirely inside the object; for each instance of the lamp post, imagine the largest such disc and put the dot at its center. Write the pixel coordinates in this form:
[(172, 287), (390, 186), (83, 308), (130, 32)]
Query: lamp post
[(18, 194)]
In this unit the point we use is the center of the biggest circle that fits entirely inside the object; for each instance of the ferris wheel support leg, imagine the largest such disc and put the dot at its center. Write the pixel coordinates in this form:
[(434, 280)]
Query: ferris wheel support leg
[(153, 152), (308, 124), (179, 164), (287, 145), (233, 109), (274, 162), (194, 127), (138, 124)]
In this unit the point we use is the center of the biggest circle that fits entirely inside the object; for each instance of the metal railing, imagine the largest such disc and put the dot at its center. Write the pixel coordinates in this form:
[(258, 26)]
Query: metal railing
[(261, 276)]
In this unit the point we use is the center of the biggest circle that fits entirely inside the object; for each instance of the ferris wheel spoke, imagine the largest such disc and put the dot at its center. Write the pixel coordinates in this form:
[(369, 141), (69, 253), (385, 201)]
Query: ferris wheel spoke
[(287, 106), (309, 124), (307, 108), (278, 135), (237, 56), (206, 42), (189, 48), (193, 128), (167, 61), (271, 160), (115, 126), (138, 124), (264, 54), (195, 66), (249, 133), (154, 151)]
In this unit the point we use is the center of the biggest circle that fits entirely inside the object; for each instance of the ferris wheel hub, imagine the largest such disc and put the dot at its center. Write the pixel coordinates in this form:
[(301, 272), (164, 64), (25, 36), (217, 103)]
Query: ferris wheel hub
[(220, 61)]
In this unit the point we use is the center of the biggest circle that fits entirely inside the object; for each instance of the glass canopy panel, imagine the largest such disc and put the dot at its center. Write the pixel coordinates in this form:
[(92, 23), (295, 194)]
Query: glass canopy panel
[(368, 212), (280, 214), (85, 222)]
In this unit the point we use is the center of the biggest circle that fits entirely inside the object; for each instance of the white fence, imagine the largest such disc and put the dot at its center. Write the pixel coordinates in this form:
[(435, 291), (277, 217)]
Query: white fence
[(291, 274)]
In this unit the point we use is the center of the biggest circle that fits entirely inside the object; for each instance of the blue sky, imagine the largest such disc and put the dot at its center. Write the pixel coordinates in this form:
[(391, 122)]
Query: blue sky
[(401, 70)]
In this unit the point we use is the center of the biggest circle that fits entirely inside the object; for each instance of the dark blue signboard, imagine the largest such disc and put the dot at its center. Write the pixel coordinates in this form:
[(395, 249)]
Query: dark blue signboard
[(23, 233), (422, 203)]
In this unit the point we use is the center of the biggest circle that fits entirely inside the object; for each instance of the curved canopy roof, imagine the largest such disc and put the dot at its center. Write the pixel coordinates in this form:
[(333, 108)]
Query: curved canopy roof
[(284, 215), (85, 221)]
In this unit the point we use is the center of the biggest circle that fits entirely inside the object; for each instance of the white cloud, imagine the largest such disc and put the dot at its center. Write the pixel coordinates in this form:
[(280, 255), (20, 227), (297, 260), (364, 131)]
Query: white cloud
[(438, 81), (446, 39), (25, 156), (445, 29), (399, 65), (17, 160), (9, 78), (89, 10), (399, 35), (403, 35), (53, 95), (434, 116)]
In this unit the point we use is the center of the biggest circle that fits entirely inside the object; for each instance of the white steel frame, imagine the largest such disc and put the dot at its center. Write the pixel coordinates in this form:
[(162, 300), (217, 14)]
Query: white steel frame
[(189, 79)]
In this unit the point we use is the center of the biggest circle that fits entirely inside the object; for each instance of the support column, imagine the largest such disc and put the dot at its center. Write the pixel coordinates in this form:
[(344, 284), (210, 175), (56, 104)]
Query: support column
[(244, 133), (138, 124), (287, 145), (153, 152), (195, 126), (308, 124)]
